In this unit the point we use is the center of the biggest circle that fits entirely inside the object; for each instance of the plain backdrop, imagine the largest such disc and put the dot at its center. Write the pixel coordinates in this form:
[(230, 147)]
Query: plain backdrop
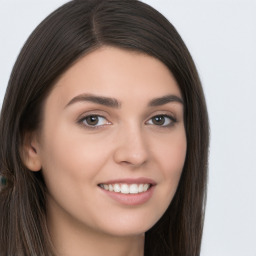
[(221, 36)]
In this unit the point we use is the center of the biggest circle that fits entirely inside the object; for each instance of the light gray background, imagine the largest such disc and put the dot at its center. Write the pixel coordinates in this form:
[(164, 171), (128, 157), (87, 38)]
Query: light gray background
[(221, 36)]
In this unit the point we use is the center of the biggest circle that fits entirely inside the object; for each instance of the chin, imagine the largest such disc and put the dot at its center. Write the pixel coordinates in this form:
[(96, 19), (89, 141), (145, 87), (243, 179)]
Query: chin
[(131, 227)]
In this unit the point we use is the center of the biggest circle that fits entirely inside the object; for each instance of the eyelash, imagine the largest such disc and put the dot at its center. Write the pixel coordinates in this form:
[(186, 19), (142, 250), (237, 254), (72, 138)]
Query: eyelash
[(82, 121), (171, 121), (96, 126)]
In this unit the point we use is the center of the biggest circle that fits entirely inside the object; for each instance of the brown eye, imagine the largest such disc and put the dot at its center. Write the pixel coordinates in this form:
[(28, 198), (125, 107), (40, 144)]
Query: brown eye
[(162, 120), (158, 120), (92, 120)]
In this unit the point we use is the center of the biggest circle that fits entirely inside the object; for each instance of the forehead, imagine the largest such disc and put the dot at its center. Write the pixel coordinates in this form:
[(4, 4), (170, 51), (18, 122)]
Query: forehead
[(117, 73)]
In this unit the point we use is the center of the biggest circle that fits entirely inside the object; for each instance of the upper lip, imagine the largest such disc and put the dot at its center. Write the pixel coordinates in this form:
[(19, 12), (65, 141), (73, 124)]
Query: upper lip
[(141, 180)]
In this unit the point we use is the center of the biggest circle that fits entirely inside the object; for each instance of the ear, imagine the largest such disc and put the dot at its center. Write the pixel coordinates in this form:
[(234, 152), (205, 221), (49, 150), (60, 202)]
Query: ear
[(30, 152)]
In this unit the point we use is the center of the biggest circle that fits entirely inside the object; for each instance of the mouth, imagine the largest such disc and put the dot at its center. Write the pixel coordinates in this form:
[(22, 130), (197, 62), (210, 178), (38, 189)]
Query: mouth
[(124, 188), (129, 191)]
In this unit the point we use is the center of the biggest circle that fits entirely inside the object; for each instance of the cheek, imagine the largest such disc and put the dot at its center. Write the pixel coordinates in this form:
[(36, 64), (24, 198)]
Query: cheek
[(172, 151), (171, 158), (65, 158), (71, 165), (70, 157)]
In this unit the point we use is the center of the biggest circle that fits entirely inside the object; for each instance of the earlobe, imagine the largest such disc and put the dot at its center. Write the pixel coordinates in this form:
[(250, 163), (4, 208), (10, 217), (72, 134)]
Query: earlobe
[(30, 153)]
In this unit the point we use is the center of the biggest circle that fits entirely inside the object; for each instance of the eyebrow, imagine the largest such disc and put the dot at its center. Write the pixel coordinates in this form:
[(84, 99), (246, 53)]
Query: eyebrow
[(164, 100), (114, 103), (106, 101)]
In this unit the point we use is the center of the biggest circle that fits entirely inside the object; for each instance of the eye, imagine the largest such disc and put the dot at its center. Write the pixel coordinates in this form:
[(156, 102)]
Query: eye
[(94, 121), (162, 120)]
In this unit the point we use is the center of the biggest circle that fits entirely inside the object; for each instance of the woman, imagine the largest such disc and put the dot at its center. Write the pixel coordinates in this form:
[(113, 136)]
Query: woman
[(104, 137)]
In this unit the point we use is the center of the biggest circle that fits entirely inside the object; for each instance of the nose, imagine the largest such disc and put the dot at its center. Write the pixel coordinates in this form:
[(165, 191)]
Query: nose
[(131, 149)]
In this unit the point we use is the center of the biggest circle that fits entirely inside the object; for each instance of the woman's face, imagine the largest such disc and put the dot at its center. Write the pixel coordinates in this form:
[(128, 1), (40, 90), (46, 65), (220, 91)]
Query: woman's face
[(113, 121)]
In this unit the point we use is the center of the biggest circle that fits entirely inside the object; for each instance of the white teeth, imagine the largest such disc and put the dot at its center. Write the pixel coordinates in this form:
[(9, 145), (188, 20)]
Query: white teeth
[(134, 189), (117, 188), (145, 187), (141, 188), (126, 188)]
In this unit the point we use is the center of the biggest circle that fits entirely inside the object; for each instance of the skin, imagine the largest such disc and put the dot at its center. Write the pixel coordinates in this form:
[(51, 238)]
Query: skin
[(127, 142)]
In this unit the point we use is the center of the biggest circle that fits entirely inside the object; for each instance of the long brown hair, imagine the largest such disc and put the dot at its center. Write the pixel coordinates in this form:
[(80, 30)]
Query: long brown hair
[(66, 35)]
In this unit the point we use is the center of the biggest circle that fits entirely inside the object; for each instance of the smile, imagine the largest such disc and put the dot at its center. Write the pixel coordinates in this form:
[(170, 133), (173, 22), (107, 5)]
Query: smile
[(126, 188)]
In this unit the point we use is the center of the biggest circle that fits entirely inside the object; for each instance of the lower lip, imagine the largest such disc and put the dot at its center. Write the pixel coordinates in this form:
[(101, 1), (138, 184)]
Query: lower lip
[(131, 199)]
